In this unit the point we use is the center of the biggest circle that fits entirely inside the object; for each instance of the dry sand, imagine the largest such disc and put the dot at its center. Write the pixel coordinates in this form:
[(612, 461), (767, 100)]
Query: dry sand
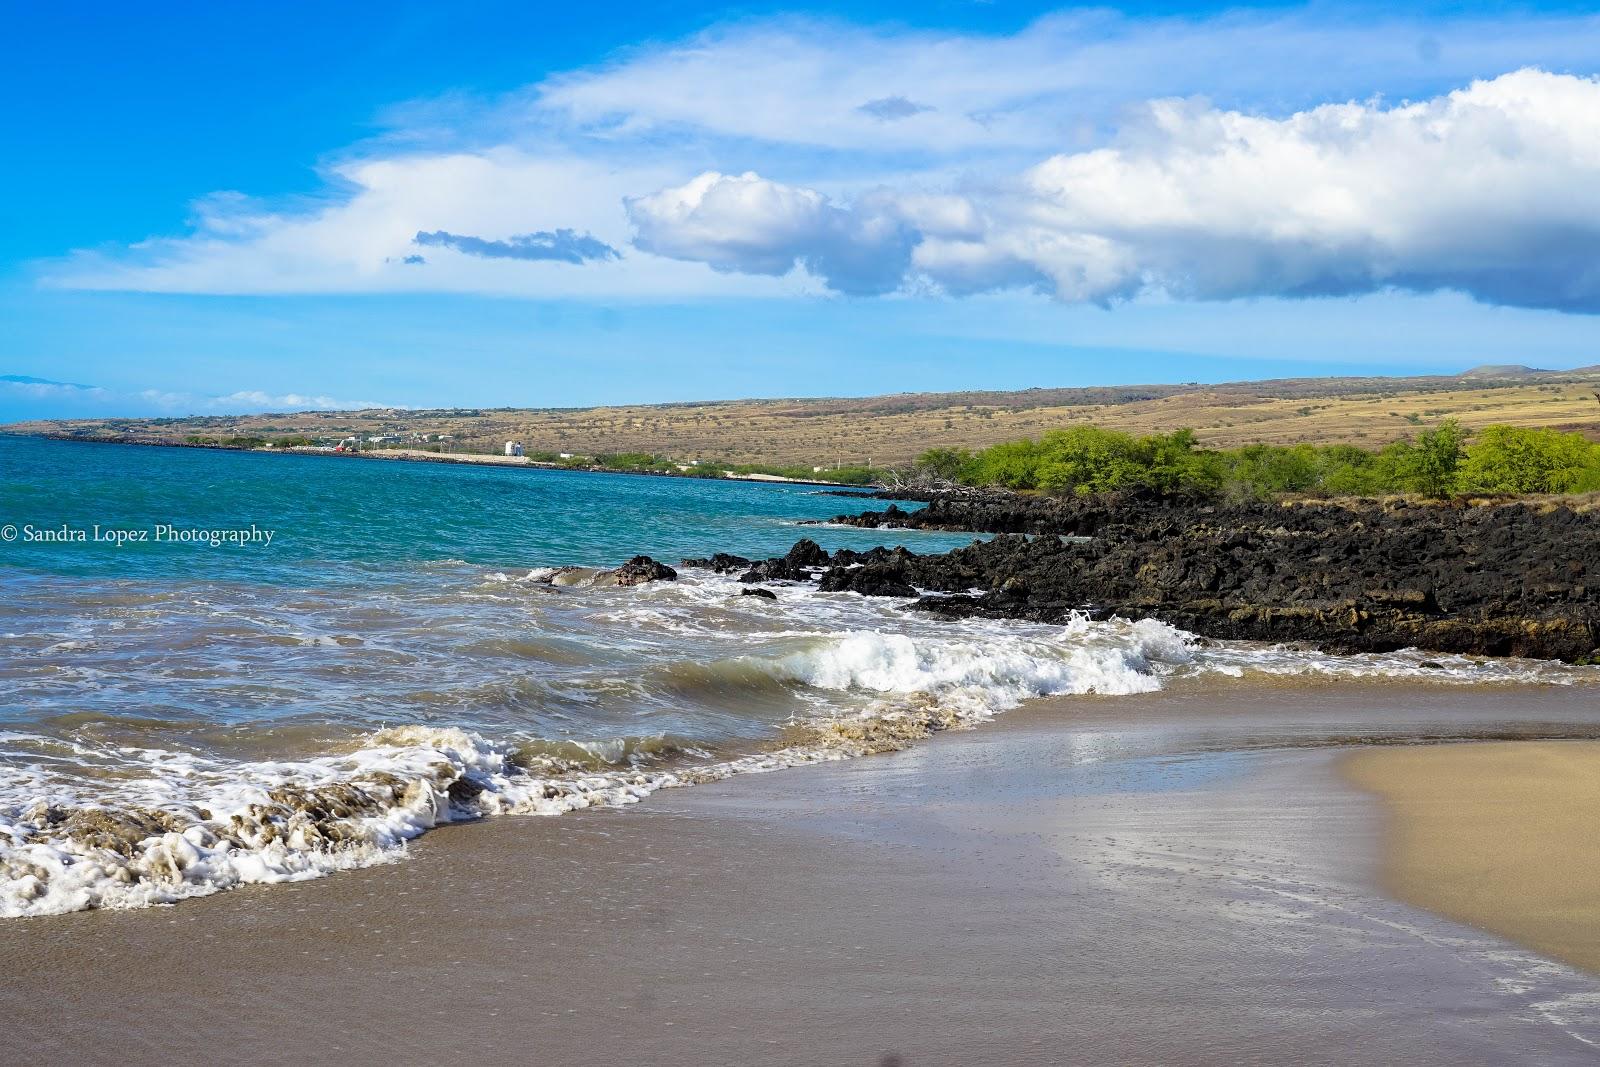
[(1182, 878), (1503, 836)]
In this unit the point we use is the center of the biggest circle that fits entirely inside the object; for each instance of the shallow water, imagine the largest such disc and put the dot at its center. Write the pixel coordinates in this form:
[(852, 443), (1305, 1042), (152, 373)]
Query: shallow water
[(182, 717)]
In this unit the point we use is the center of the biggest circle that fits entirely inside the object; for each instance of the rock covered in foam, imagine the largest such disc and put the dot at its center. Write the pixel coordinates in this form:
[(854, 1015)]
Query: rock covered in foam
[(721, 563), (637, 571), (799, 564)]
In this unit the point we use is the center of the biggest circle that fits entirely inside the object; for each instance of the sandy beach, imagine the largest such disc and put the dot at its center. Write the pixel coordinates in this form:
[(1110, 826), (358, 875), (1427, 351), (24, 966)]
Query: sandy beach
[(1184, 878), (1501, 836)]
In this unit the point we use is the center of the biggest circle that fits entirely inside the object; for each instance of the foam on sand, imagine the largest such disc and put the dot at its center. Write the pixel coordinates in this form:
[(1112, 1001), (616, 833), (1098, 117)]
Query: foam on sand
[(190, 827), (101, 826)]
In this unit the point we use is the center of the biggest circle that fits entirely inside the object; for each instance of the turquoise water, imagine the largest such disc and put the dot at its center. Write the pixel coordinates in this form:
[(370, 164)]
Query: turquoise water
[(178, 718), (335, 519)]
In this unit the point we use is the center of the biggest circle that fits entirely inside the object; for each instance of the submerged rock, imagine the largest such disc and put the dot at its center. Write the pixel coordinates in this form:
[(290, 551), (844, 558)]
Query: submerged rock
[(637, 571), (721, 563), (800, 564), (567, 576)]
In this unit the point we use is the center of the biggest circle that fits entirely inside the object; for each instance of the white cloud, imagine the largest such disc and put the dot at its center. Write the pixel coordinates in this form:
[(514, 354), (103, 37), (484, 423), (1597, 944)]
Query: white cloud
[(23, 396), (748, 224), (863, 161), (30, 388), (1051, 84), (1493, 190), (254, 400), (361, 243)]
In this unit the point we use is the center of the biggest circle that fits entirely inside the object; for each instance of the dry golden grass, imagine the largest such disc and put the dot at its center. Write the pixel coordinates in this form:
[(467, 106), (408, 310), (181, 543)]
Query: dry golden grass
[(892, 430)]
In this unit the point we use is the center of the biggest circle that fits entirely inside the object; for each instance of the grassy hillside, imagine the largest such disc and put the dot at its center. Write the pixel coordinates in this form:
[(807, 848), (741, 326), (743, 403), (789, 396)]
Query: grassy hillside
[(893, 430)]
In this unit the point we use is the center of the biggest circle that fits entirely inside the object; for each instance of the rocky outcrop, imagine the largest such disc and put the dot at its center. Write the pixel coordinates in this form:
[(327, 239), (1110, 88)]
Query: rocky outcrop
[(1516, 578)]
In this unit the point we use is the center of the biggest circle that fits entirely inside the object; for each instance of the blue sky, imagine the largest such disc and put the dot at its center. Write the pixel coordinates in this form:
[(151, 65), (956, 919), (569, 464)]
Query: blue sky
[(270, 206)]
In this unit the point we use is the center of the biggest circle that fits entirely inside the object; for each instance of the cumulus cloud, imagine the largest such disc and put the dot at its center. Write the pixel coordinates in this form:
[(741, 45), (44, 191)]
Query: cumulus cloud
[(1065, 158), (748, 224), (1493, 190), (563, 246), (361, 243)]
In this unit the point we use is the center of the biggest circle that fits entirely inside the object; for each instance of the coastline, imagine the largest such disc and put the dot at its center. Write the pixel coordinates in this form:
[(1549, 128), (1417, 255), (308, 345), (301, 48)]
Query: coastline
[(1502, 578), (460, 458), (1183, 877)]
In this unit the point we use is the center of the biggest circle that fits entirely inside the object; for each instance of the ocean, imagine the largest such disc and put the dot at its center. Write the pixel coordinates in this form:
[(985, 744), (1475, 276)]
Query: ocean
[(221, 668)]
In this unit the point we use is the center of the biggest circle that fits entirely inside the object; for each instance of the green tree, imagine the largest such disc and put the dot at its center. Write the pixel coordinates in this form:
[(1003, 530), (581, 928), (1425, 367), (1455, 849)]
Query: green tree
[(1085, 459), (1265, 469), (1013, 464), (1434, 460), (952, 464), (1345, 470)]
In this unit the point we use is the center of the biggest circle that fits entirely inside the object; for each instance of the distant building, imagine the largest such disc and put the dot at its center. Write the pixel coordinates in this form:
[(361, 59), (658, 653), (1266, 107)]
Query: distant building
[(565, 455), (513, 448)]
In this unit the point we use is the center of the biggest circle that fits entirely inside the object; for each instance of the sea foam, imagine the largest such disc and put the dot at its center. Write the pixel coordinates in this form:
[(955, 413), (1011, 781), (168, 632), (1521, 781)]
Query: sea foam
[(161, 826), (195, 826)]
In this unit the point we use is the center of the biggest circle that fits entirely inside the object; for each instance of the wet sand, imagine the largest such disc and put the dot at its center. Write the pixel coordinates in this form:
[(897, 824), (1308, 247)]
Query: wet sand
[(1179, 878), (1503, 836)]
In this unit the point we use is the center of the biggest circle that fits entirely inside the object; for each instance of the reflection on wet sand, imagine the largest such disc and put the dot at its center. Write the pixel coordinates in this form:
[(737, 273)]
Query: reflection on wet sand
[(1135, 880)]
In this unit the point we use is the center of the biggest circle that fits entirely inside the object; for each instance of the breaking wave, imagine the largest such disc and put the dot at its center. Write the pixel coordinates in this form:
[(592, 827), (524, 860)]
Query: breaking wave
[(815, 677)]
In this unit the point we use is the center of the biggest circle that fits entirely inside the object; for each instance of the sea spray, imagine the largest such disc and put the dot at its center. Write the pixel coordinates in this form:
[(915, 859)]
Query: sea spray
[(224, 825)]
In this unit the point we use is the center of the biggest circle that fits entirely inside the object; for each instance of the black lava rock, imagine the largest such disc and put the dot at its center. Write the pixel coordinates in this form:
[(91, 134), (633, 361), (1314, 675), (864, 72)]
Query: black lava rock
[(1510, 578), (641, 569)]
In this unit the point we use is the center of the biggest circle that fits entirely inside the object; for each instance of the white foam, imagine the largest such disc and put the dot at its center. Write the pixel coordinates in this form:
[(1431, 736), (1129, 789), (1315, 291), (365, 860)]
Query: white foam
[(281, 822), (1003, 672), (95, 825), (231, 824)]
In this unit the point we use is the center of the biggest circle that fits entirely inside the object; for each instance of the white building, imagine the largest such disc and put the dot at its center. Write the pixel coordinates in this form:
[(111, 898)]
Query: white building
[(513, 448)]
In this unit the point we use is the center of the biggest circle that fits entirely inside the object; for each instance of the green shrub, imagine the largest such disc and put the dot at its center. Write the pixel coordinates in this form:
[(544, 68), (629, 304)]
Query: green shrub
[(1511, 459), (1438, 463)]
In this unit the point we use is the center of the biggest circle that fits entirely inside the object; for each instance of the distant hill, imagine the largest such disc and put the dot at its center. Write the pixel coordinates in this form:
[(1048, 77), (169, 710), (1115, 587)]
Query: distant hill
[(1517, 370), (890, 430), (1504, 370)]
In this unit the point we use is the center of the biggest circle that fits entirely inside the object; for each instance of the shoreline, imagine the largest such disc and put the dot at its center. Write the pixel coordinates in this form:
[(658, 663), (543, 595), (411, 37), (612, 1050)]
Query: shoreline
[(484, 459), (1138, 879)]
